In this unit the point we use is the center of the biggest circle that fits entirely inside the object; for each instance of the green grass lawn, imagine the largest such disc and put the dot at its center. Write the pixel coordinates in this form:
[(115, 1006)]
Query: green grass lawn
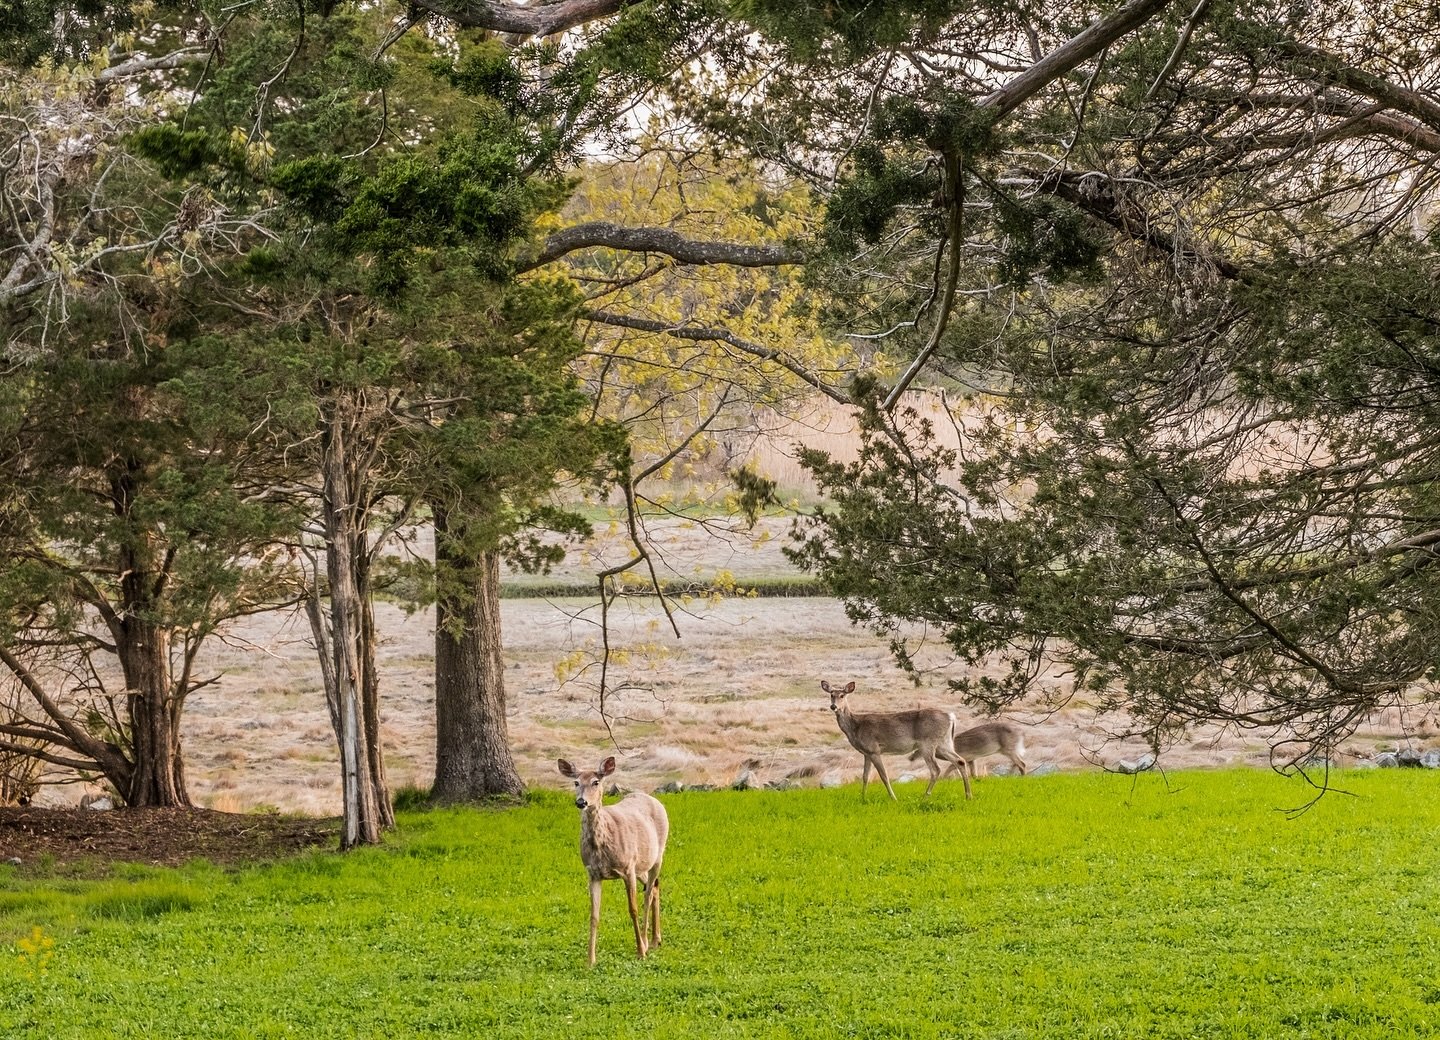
[(1083, 905)]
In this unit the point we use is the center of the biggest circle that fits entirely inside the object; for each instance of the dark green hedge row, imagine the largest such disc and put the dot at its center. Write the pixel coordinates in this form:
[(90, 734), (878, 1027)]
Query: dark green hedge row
[(766, 587)]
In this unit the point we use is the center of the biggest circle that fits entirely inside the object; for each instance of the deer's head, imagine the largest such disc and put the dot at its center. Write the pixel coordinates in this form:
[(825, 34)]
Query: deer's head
[(837, 696), (588, 787)]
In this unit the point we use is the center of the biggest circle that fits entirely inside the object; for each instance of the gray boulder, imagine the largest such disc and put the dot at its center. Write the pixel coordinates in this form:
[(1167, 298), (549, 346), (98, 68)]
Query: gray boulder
[(745, 782)]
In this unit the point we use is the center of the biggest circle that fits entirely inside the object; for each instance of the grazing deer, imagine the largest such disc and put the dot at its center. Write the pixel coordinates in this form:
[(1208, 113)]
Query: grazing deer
[(928, 731), (625, 841), (989, 738)]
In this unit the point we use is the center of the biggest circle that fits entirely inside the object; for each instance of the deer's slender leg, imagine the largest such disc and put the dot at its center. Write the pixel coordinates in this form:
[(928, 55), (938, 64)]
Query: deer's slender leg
[(654, 895), (594, 916), (884, 779), (865, 777), (957, 761), (933, 766), (635, 913)]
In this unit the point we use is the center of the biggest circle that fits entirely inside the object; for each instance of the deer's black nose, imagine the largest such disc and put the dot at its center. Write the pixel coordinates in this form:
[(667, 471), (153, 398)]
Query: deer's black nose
[(580, 803)]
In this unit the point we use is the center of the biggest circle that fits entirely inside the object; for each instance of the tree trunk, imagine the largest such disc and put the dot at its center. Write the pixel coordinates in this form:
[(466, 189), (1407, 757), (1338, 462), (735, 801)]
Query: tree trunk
[(371, 693), (472, 740), (155, 775), (158, 776), (352, 669)]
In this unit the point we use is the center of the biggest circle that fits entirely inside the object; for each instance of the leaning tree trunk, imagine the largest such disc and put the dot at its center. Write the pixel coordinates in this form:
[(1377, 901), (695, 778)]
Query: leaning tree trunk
[(472, 740)]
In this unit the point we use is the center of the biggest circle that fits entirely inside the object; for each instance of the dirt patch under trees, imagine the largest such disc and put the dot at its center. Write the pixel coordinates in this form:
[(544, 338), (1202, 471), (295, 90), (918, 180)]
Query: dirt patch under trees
[(65, 839)]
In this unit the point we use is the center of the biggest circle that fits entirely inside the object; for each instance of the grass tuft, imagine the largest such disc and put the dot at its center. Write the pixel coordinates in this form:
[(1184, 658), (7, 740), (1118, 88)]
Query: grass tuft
[(138, 902)]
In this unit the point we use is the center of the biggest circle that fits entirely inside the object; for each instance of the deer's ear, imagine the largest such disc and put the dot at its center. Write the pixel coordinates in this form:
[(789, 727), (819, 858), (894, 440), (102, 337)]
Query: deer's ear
[(850, 688), (608, 766), (566, 769), (824, 686)]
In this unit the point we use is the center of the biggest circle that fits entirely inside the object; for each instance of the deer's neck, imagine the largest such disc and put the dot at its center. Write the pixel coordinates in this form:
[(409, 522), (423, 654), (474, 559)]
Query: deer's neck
[(847, 722), (594, 825)]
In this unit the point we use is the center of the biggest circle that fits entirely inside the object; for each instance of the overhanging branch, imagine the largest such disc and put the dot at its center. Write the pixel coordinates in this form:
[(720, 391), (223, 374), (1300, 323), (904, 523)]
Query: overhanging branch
[(1332, 68), (1093, 193), (659, 240), (134, 65), (999, 103), (537, 19), (1070, 55), (705, 334)]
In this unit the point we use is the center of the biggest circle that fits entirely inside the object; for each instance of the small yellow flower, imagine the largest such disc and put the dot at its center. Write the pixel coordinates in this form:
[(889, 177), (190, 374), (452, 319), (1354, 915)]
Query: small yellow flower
[(36, 949)]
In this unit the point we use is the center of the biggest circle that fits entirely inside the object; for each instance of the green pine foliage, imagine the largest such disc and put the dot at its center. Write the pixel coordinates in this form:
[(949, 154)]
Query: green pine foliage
[(412, 241), (1181, 579)]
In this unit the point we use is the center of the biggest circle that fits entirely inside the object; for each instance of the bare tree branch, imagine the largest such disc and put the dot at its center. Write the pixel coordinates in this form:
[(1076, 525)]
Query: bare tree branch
[(85, 765), (136, 64), (1178, 52), (1331, 68), (75, 736), (1095, 194), (696, 333), (955, 239), (1401, 126), (537, 19), (1071, 54), (659, 240)]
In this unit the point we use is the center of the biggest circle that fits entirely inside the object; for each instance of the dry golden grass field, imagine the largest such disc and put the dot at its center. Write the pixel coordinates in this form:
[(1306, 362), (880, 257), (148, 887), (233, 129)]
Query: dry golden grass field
[(739, 689)]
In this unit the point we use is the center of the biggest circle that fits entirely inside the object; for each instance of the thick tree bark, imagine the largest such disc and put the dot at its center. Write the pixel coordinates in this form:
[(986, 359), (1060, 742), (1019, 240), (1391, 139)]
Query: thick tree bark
[(472, 740), (158, 775)]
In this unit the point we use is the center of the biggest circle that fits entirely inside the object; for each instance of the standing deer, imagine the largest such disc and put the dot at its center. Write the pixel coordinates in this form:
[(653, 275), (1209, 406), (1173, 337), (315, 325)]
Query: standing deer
[(625, 841), (928, 731), (989, 738)]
